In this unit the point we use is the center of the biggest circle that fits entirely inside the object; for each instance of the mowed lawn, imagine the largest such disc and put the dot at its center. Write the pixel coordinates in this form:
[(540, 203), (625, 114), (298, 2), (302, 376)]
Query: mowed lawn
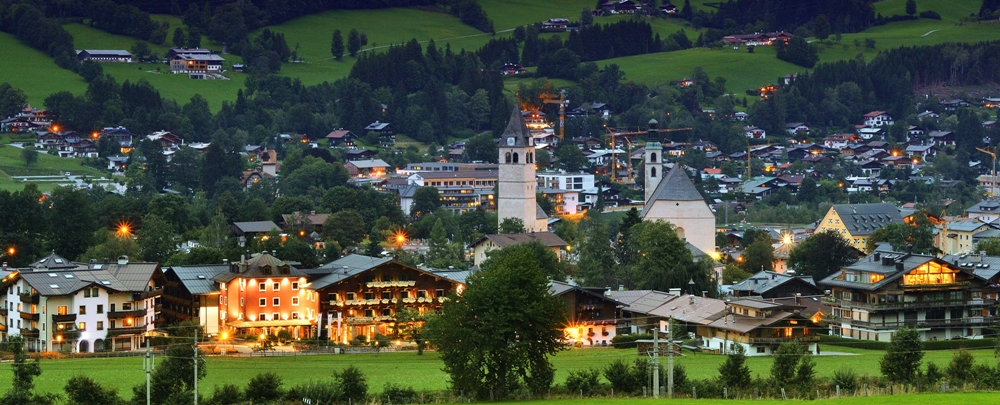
[(923, 399), (11, 164), (424, 372)]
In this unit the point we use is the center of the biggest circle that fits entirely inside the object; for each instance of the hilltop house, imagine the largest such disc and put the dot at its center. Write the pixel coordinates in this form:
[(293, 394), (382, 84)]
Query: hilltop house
[(104, 55)]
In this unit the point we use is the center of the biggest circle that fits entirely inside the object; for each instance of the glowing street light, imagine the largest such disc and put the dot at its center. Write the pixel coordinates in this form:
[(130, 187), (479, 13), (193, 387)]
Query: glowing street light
[(400, 238)]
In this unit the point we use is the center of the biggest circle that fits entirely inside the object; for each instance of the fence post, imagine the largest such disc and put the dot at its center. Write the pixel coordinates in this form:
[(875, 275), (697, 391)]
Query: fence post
[(756, 393), (838, 392), (867, 393), (694, 392), (725, 392), (783, 397)]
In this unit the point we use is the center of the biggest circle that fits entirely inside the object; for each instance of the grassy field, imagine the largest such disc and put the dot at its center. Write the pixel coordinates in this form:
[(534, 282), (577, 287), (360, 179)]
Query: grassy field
[(424, 372), (11, 164), (33, 71), (923, 399)]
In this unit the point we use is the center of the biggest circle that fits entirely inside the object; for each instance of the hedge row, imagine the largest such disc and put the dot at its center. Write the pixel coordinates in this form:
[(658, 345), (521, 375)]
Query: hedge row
[(928, 345)]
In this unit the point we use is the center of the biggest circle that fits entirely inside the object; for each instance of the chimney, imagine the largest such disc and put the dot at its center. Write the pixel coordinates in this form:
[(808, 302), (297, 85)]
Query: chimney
[(621, 287), (225, 261), (899, 265), (313, 212), (691, 299), (798, 298), (122, 260), (704, 294), (877, 256)]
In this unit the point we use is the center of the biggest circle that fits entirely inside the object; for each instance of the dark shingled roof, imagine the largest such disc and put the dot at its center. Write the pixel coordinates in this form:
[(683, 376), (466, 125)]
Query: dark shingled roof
[(198, 279), (540, 213), (503, 240), (864, 219), (764, 281), (68, 282), (517, 129), (54, 261)]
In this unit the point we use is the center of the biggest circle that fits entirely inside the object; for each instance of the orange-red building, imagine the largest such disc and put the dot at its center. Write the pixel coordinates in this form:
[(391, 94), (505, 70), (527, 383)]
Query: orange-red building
[(264, 295)]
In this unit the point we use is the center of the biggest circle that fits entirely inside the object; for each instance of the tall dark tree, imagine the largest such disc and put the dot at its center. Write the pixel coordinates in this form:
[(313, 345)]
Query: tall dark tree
[(911, 7), (425, 200), (500, 332), (179, 39), (821, 27), (337, 45), (822, 254), (70, 223), (353, 42)]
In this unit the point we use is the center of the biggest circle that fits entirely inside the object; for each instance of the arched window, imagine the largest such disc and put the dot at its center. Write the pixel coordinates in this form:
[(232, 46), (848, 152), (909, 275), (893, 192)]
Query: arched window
[(652, 157), (507, 158), (515, 157), (652, 172)]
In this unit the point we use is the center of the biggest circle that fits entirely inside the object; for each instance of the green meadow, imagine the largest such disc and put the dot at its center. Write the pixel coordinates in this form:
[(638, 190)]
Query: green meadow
[(11, 164), (34, 72), (424, 372)]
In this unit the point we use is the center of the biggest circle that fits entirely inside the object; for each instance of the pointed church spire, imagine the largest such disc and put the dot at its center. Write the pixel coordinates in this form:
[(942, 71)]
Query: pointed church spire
[(516, 133)]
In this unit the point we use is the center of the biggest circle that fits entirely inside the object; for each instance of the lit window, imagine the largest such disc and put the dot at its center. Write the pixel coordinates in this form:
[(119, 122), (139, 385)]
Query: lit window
[(82, 326), (295, 315)]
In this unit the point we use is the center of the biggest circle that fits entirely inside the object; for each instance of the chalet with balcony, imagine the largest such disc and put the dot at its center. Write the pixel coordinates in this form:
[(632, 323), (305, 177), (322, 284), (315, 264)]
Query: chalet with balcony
[(341, 137), (360, 296), (591, 316), (888, 290), (190, 293), (82, 307), (769, 284), (386, 133), (760, 327), (877, 119)]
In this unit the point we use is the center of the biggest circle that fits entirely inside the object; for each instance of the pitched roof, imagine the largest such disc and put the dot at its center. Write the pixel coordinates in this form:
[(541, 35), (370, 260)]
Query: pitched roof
[(744, 324), (548, 239), (62, 282), (540, 213), (675, 186), (764, 281), (198, 279), (864, 219), (256, 226), (338, 134), (517, 129), (53, 261), (368, 164), (256, 265)]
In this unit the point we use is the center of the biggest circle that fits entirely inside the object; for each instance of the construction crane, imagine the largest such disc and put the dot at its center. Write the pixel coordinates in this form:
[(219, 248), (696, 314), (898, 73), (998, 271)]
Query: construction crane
[(548, 99), (614, 160), (638, 131), (993, 181)]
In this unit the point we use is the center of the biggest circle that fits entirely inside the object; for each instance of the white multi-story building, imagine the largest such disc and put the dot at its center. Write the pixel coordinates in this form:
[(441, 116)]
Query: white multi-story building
[(56, 304), (565, 181)]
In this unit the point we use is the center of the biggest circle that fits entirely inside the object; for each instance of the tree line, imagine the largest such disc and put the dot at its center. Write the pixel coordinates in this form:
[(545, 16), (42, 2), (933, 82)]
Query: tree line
[(738, 16)]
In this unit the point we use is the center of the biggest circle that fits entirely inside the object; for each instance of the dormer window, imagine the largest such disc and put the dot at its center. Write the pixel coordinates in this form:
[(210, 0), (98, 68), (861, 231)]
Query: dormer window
[(267, 270)]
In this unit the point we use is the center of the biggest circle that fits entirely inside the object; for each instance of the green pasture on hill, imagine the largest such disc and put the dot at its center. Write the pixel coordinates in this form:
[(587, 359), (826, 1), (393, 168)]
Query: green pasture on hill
[(923, 399), (11, 164), (424, 372), (34, 72)]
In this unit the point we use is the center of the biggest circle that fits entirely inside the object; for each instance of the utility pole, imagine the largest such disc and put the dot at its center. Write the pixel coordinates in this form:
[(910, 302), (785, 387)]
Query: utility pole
[(670, 358), (656, 360), (196, 366), (147, 365)]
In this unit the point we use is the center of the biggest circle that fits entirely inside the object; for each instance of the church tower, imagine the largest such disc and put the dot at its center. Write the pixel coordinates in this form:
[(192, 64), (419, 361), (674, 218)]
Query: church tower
[(517, 185), (653, 163)]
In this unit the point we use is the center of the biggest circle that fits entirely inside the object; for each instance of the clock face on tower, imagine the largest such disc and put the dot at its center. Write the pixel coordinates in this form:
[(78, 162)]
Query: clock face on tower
[(510, 141)]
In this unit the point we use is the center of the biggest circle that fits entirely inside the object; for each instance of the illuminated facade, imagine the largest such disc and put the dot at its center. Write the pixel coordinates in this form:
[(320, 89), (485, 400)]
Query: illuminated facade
[(759, 326), (591, 317), (264, 295), (943, 299), (361, 296)]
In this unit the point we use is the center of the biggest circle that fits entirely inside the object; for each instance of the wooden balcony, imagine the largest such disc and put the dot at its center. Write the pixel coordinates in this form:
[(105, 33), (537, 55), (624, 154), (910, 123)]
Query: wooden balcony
[(3, 311), (127, 314), (151, 294), (29, 316), (29, 333), (63, 318), (132, 330), (778, 341), (29, 298)]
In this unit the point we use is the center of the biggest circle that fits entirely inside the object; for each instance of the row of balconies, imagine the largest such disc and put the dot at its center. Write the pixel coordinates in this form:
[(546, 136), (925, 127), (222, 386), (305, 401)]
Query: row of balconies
[(428, 300), (909, 305), (778, 341), (28, 298), (927, 323)]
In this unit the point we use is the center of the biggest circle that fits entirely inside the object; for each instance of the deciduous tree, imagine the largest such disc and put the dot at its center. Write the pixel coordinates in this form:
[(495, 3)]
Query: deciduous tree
[(901, 362), (499, 334), (821, 255)]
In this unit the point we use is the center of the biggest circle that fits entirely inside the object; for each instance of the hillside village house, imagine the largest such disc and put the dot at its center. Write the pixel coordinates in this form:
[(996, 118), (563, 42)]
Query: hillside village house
[(986, 210), (56, 304), (386, 132), (372, 168), (593, 316), (957, 237), (360, 296), (341, 137), (488, 243), (878, 119), (760, 327), (857, 222), (888, 290), (104, 55), (195, 62)]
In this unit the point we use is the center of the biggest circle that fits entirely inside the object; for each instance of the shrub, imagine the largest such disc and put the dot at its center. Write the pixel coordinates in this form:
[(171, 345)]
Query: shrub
[(960, 369), (317, 392), (353, 384), (583, 381), (83, 390), (621, 376), (932, 376), (846, 379), (628, 341), (931, 14), (226, 394), (264, 387), (397, 394)]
